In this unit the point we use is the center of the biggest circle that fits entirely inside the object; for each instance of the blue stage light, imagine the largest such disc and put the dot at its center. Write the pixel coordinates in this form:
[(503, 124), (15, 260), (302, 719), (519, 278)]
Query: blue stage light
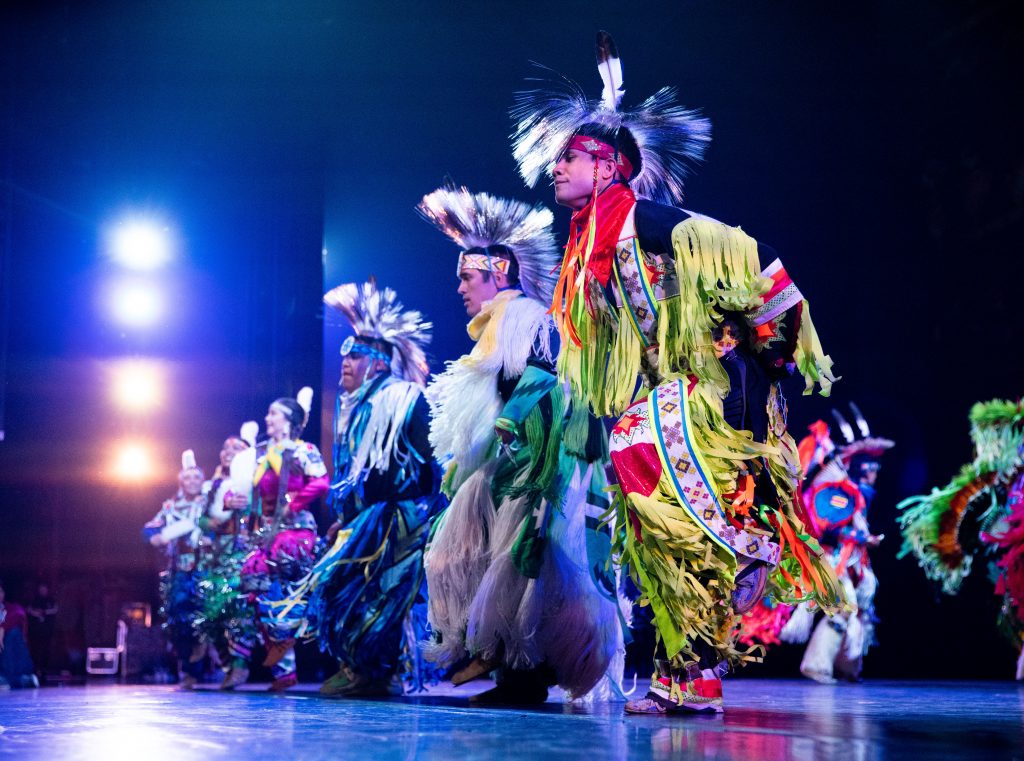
[(140, 245), (135, 303)]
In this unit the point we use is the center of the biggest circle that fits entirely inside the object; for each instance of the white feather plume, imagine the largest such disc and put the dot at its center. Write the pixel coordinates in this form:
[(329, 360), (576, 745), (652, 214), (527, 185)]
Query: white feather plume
[(671, 138), (188, 460), (377, 313), (480, 219), (305, 399), (249, 431), (609, 66)]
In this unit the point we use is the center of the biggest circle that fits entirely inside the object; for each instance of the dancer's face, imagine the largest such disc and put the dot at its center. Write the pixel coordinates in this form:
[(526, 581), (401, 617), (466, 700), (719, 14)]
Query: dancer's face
[(232, 446), (574, 177), (191, 482), (278, 425), (477, 287), (353, 370)]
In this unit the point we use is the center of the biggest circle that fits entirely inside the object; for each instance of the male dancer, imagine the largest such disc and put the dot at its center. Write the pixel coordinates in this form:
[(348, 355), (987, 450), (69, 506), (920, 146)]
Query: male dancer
[(705, 466), (175, 527), (356, 598), (510, 581)]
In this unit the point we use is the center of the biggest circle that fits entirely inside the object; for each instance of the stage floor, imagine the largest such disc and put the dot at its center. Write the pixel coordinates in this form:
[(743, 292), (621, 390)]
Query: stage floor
[(764, 720)]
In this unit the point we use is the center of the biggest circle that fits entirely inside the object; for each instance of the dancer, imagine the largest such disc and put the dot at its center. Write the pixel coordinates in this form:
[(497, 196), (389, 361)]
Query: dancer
[(289, 476), (176, 529), (979, 514), (516, 580), (706, 469), (357, 597), (839, 487), (16, 667), (224, 616)]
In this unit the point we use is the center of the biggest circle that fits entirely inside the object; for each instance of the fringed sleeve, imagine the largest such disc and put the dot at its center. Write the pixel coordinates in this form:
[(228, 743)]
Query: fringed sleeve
[(718, 271)]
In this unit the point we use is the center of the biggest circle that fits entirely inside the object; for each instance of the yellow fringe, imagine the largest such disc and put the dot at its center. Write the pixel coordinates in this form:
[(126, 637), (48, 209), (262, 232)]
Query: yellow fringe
[(811, 360), (718, 271)]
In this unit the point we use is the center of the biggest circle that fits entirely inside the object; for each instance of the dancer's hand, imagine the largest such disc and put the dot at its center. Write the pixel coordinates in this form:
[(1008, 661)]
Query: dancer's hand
[(157, 541), (234, 501), (332, 532)]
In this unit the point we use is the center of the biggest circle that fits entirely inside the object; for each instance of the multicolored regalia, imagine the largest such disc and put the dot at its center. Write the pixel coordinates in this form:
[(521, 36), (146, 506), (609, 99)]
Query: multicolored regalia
[(289, 476), (836, 495), (709, 321), (176, 528), (358, 599), (517, 569), (224, 616), (979, 514)]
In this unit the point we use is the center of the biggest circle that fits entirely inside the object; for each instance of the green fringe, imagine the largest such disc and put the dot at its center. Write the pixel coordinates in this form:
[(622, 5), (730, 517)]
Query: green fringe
[(997, 430), (718, 271), (920, 523), (811, 360), (603, 370), (687, 580), (577, 431), (543, 474), (998, 436)]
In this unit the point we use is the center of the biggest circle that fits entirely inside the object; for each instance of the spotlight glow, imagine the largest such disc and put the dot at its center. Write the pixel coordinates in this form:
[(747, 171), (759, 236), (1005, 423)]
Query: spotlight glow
[(136, 304), (133, 462), (137, 385), (140, 245)]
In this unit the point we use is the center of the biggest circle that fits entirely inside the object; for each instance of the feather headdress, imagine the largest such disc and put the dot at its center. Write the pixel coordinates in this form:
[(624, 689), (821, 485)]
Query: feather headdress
[(479, 219), (377, 314), (670, 138)]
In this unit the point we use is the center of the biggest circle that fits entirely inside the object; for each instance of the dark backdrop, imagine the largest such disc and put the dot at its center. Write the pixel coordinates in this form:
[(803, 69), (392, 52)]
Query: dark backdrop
[(875, 146)]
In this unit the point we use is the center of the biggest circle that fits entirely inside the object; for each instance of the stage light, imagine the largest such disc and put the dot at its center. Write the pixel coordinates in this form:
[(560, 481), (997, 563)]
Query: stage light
[(137, 385), (133, 462), (140, 245), (135, 303)]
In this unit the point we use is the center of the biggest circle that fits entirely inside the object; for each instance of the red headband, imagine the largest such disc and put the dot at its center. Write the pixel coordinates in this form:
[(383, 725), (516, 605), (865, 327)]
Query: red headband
[(602, 150)]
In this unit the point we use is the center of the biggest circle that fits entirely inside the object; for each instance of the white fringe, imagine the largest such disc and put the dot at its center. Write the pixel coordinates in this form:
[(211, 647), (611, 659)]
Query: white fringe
[(559, 618), (853, 642), (464, 401), (455, 562), (798, 628), (867, 588), (821, 651), (464, 404), (524, 318), (389, 410)]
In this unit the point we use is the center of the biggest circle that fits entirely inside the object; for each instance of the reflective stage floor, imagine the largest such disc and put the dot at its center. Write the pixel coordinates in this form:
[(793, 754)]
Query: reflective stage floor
[(764, 719)]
